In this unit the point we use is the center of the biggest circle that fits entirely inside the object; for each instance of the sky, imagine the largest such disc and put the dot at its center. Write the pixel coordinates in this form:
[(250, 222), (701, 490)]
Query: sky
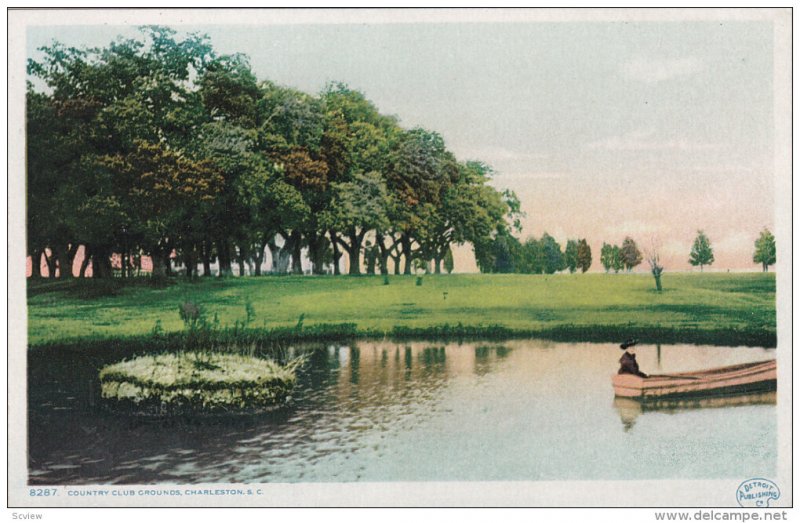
[(603, 129)]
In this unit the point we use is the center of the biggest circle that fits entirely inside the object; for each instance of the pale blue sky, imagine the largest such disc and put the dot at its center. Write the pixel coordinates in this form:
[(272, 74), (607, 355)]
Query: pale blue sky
[(603, 129)]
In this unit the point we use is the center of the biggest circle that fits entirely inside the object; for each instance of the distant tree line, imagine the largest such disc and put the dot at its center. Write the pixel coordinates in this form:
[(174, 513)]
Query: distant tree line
[(617, 258), (161, 147), (506, 254)]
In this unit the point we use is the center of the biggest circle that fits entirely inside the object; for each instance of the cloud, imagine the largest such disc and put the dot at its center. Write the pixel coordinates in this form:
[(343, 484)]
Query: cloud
[(647, 141), (723, 169), (502, 154), (734, 243), (676, 248), (658, 70), (635, 228), (531, 175)]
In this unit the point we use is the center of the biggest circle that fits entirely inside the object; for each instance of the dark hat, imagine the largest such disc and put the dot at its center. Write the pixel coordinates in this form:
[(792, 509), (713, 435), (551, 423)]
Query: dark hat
[(628, 343)]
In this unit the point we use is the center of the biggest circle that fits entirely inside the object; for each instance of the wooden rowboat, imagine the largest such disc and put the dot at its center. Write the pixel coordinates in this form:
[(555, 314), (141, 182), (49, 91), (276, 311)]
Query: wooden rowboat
[(734, 379)]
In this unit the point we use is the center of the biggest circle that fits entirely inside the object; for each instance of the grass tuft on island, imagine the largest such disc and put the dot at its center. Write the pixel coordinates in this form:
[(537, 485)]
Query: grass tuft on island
[(196, 383)]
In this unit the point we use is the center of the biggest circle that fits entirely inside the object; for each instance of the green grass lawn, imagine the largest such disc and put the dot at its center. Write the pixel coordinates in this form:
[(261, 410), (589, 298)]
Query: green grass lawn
[(58, 311)]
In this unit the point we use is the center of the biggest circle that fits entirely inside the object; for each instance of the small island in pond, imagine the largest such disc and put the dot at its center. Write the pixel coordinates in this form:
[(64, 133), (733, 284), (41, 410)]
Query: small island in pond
[(196, 382)]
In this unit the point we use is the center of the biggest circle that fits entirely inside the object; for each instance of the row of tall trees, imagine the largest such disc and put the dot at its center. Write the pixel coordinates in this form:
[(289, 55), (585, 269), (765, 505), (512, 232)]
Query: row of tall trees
[(617, 258), (159, 146), (506, 254)]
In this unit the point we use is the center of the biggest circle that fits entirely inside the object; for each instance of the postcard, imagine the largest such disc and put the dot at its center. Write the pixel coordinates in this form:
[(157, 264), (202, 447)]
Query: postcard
[(400, 257)]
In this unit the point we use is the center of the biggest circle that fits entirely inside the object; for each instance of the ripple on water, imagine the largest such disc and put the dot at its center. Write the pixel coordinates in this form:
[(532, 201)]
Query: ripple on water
[(64, 467)]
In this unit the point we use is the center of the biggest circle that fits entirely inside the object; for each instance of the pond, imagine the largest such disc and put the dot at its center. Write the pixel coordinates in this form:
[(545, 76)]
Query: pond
[(388, 411)]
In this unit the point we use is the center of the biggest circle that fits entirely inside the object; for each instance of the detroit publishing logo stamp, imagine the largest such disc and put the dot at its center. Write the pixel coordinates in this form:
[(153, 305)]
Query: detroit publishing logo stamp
[(757, 492)]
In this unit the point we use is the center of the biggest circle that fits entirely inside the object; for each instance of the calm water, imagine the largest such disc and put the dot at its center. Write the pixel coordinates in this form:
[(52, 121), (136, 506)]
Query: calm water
[(375, 411)]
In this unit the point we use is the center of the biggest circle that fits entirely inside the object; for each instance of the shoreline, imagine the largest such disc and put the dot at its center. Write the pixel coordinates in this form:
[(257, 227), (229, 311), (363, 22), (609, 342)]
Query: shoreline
[(270, 338)]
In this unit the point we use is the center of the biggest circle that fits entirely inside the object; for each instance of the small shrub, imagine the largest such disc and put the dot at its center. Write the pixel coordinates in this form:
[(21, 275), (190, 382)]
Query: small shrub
[(192, 314), (250, 311)]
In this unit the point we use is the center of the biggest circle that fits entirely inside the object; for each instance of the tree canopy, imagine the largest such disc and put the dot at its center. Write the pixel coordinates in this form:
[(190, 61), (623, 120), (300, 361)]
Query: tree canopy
[(584, 255), (701, 253), (765, 250), (630, 254), (160, 146)]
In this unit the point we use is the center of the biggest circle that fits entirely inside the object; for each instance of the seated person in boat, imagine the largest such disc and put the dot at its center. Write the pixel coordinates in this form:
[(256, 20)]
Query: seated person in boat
[(627, 363)]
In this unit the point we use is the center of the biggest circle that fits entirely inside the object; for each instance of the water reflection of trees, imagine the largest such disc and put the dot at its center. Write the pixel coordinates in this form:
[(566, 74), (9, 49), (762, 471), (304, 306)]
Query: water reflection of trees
[(355, 359), (433, 356), (486, 356), (369, 372)]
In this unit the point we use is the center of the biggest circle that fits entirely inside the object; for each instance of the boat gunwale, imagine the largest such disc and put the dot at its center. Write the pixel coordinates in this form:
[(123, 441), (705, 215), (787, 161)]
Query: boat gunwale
[(679, 382), (719, 370), (705, 382)]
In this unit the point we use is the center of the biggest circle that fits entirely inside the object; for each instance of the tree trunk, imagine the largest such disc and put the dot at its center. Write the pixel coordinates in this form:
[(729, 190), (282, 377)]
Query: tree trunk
[(281, 255), (72, 251), (224, 257), (284, 259), (657, 275), (64, 267), (316, 251), (259, 259), (87, 257), (206, 255), (383, 253), (295, 240), (36, 263), (405, 241), (354, 255), (50, 262), (354, 251), (101, 262), (371, 260), (336, 252), (159, 265), (190, 264), (275, 254), (197, 251), (242, 255), (437, 263)]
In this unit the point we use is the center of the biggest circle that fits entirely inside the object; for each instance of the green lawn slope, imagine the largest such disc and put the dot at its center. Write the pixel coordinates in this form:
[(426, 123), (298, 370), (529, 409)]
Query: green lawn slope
[(708, 308)]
